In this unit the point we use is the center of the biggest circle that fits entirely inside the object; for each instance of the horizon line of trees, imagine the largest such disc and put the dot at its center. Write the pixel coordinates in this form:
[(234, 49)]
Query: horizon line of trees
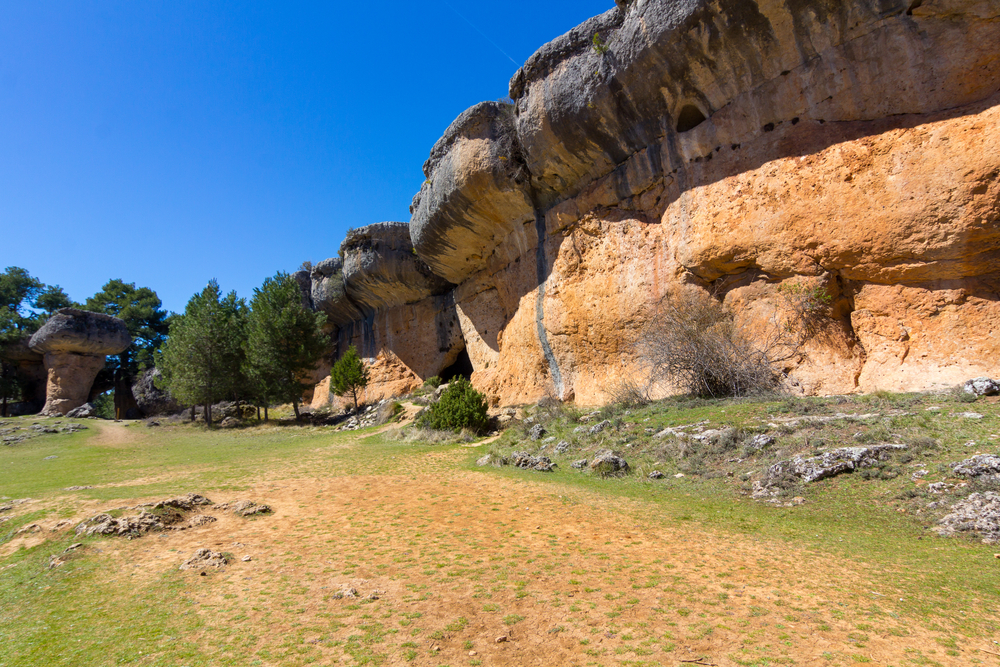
[(220, 348)]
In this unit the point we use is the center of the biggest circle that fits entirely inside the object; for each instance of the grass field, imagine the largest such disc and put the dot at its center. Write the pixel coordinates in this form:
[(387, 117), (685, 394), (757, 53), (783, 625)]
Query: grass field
[(447, 563)]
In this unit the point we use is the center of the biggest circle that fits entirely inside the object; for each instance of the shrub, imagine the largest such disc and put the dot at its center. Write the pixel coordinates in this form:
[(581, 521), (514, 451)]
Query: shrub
[(433, 382), (627, 393), (460, 406), (695, 344), (349, 375)]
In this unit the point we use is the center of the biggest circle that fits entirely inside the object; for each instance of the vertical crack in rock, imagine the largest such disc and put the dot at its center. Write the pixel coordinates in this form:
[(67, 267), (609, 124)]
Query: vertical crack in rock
[(543, 338)]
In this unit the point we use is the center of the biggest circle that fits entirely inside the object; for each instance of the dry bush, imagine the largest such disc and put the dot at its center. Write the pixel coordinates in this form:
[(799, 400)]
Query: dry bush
[(429, 436), (629, 393), (695, 344)]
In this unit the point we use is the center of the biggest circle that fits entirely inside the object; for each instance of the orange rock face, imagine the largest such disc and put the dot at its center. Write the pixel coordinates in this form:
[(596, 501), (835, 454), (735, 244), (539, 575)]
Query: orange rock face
[(897, 221), (828, 171)]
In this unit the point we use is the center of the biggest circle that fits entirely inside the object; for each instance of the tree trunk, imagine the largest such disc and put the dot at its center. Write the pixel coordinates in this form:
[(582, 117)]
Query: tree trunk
[(295, 407), (193, 412), (265, 414), (258, 413), (208, 414)]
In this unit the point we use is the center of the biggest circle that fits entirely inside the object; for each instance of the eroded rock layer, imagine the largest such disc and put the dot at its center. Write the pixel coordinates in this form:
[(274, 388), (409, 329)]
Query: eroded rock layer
[(758, 151)]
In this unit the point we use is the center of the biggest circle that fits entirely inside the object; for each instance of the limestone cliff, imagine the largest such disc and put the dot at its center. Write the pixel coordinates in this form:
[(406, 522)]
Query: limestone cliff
[(738, 146)]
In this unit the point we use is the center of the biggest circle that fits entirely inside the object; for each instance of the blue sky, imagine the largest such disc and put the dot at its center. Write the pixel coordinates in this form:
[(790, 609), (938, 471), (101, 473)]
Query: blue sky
[(168, 143)]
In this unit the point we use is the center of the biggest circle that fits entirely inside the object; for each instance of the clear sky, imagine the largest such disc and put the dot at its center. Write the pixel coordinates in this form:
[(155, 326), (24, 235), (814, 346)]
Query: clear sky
[(168, 143)]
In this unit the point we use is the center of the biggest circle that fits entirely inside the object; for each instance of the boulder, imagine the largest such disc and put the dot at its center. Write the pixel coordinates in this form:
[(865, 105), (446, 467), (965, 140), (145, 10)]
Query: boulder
[(74, 344), (153, 400), (536, 432), (981, 386), (85, 411), (529, 462), (609, 463)]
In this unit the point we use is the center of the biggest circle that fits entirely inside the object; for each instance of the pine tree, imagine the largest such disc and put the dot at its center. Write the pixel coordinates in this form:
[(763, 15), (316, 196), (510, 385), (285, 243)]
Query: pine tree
[(349, 375), (147, 323), (202, 358), (285, 341)]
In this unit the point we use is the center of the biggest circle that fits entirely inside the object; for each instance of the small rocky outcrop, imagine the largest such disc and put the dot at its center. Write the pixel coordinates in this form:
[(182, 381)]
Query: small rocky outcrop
[(74, 344), (832, 463), (205, 558), (980, 466), (381, 268), (981, 386), (609, 463), (527, 461), (978, 514), (245, 508)]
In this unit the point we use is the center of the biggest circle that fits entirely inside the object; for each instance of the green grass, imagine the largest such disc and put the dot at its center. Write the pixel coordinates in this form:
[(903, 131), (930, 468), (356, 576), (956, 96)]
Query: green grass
[(85, 612)]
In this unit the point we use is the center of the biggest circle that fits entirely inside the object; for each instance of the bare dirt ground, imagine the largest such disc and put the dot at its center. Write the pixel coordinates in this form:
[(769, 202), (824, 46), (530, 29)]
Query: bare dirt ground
[(466, 568)]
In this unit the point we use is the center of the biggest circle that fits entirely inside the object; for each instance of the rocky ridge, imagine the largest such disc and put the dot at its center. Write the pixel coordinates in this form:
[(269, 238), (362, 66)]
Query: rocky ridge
[(751, 150)]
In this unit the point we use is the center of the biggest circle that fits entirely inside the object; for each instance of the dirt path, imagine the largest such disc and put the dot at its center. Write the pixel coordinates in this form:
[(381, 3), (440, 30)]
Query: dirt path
[(470, 566), (459, 567)]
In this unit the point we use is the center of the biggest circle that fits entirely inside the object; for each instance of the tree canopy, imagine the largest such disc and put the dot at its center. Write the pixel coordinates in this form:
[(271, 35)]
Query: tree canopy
[(285, 340), (147, 322), (202, 359), (349, 375), (25, 303)]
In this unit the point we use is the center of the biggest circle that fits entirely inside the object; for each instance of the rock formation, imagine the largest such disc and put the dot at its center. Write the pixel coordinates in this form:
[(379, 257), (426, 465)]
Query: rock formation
[(381, 298), (73, 344), (30, 371), (760, 151)]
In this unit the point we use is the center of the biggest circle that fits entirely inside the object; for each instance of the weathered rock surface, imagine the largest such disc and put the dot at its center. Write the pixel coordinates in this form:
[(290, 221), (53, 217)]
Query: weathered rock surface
[(607, 463), (979, 513), (152, 400), (981, 386), (381, 269), (205, 558), (979, 466), (74, 344), (832, 463), (472, 200), (747, 148), (329, 294)]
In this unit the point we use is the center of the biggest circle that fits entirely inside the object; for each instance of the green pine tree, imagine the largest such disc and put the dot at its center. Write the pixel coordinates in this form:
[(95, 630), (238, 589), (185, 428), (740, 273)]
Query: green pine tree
[(284, 341), (349, 375), (202, 358)]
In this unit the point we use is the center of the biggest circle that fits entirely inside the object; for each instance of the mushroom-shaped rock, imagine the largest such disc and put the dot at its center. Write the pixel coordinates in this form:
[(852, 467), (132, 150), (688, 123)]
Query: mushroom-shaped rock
[(73, 344), (475, 196), (382, 270), (329, 294)]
